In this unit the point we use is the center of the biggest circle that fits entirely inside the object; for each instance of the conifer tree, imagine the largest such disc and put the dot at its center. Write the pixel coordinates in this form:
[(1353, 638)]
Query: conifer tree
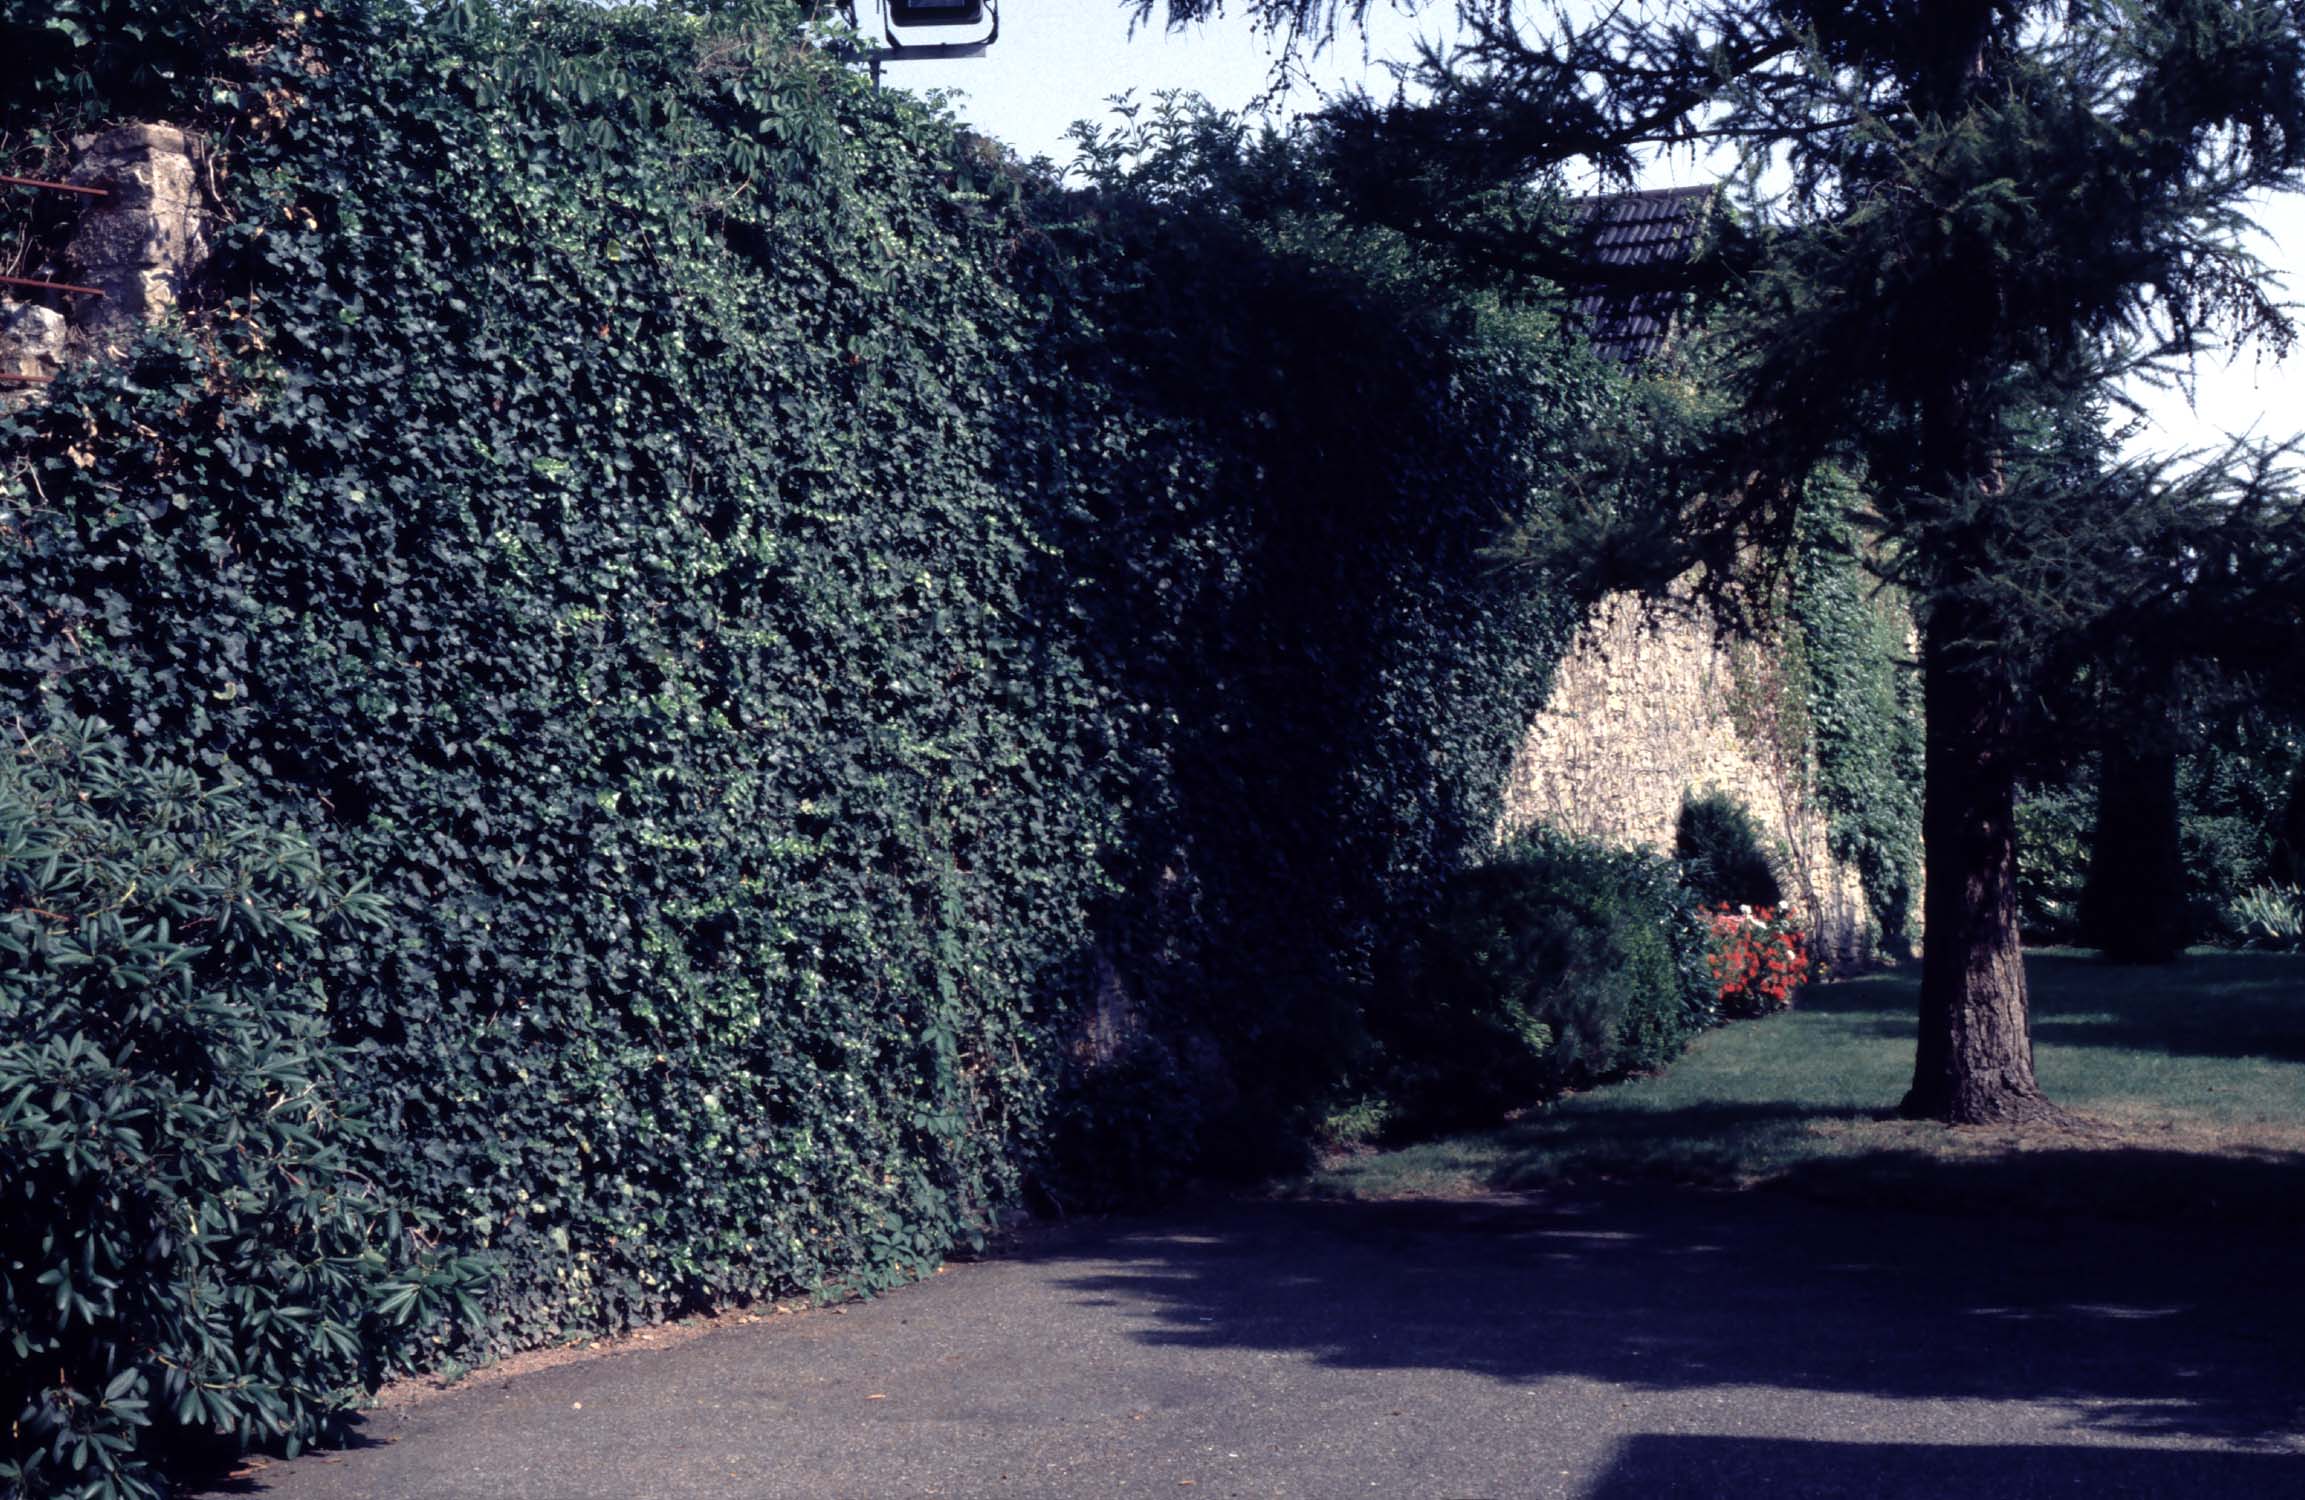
[(1997, 211)]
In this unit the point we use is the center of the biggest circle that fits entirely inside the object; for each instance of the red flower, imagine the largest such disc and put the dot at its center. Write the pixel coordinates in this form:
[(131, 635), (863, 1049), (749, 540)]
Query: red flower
[(1758, 959)]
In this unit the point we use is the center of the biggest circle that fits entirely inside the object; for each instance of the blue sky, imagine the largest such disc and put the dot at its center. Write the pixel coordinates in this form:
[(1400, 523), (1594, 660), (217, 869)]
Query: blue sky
[(1057, 61)]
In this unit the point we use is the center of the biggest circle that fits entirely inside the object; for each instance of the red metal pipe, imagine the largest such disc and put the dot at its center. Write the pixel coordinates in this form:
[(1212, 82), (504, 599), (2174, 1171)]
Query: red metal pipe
[(53, 286), (60, 187)]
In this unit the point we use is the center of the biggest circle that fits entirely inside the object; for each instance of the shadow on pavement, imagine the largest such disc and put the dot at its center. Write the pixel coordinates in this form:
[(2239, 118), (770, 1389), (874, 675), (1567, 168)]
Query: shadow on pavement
[(1652, 1466), (2138, 1332)]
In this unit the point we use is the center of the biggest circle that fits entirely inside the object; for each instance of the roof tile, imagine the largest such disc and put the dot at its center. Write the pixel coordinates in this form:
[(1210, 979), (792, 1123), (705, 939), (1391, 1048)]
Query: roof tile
[(1653, 227)]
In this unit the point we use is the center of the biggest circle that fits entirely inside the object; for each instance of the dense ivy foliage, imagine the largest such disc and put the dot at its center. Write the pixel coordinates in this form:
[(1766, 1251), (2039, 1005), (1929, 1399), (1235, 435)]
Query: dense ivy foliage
[(194, 1243), (1292, 579), (787, 611), (607, 553), (1854, 640)]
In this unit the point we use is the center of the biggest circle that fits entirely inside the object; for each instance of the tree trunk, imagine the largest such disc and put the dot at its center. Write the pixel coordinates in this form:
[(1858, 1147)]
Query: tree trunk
[(1974, 1065)]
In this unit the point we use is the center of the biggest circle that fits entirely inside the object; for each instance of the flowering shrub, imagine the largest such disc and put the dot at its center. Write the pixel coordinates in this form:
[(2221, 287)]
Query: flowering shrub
[(1759, 957)]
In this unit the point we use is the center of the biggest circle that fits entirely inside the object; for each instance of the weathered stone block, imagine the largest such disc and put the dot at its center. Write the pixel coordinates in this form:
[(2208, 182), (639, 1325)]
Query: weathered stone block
[(32, 342), (142, 242)]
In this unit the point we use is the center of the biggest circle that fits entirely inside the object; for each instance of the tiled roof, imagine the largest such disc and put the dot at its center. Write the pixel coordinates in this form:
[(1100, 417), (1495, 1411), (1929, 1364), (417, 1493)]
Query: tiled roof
[(1655, 227)]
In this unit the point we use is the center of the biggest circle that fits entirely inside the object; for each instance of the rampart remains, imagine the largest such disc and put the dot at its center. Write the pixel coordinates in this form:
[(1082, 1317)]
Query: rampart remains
[(1650, 707)]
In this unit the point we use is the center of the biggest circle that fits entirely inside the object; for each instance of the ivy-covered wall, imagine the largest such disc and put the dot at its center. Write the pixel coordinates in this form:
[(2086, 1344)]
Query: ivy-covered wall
[(1811, 723), (784, 608), (1651, 709)]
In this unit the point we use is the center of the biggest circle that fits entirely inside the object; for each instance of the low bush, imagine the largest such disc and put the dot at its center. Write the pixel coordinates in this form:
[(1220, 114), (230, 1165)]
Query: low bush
[(1557, 965), (191, 1253), (2270, 916), (1723, 857)]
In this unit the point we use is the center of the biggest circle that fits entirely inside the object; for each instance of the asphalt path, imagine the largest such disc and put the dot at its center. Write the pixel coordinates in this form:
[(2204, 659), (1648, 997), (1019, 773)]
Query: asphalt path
[(1605, 1345)]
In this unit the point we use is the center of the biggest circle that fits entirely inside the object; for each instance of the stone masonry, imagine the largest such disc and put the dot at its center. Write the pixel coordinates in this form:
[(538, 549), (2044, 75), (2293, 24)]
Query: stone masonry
[(142, 241), (32, 342), (139, 244), (1642, 715)]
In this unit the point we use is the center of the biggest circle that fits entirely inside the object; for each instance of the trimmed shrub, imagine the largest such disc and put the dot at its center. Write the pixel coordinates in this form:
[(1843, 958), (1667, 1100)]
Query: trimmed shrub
[(1722, 854), (1557, 965), (193, 1245)]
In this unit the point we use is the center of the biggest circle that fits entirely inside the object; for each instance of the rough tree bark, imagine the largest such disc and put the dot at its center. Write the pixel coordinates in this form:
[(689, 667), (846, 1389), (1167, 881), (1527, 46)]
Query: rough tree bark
[(1974, 1064)]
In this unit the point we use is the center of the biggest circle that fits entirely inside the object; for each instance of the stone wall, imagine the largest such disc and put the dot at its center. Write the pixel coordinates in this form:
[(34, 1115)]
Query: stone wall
[(32, 343), (138, 245), (145, 238), (1648, 709)]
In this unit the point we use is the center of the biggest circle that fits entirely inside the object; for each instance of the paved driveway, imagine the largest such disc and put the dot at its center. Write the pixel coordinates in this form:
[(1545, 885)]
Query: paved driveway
[(1620, 1343)]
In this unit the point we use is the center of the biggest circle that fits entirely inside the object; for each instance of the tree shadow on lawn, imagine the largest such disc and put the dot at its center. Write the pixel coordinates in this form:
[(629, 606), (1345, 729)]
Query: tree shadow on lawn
[(2139, 1331), (1712, 1144), (2256, 1195), (2212, 1004), (2205, 1004)]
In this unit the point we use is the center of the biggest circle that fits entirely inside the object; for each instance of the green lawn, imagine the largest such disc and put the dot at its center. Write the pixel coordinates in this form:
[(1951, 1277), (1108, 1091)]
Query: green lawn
[(2189, 1081)]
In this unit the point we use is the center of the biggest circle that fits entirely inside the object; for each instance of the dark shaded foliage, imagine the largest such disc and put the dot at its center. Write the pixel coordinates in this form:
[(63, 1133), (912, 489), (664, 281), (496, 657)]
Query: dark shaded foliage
[(2233, 773), (2054, 823), (2287, 861), (2243, 820), (776, 600), (2133, 905), (194, 1248), (1722, 856), (1289, 545)]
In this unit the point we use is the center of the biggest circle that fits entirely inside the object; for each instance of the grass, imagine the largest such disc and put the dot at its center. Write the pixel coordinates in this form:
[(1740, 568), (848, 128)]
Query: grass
[(2190, 1081)]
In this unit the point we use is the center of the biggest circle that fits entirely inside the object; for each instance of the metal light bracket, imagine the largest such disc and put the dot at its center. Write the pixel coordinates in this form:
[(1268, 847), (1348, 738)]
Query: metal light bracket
[(902, 51)]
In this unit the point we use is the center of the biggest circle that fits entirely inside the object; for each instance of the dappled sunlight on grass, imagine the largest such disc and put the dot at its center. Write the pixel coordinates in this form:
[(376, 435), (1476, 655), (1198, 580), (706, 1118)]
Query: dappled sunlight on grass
[(2190, 1081)]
